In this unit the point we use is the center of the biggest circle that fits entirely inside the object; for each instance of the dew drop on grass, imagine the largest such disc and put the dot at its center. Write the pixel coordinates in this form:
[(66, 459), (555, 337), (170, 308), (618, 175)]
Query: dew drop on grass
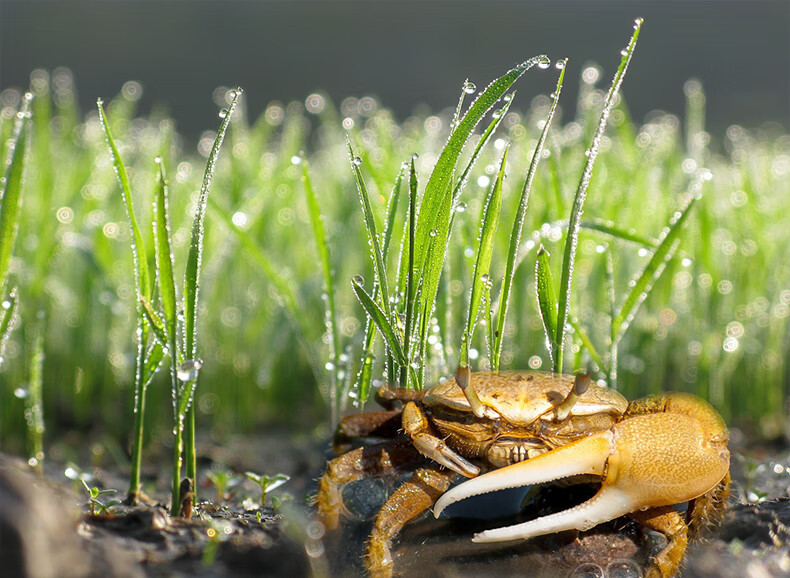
[(20, 392), (460, 207), (356, 161), (223, 113), (296, 160), (358, 279), (433, 233), (497, 113), (560, 64), (469, 87), (544, 62), (188, 370), (508, 97)]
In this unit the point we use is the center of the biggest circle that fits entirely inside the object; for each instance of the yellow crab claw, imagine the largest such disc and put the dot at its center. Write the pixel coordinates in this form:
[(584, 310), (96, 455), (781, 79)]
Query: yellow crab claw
[(646, 461)]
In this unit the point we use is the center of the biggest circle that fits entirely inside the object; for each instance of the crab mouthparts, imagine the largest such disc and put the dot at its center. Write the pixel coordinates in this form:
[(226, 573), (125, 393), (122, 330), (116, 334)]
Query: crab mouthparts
[(587, 456)]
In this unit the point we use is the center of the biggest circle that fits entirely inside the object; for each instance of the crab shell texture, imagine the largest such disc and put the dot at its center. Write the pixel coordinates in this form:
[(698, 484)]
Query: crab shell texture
[(648, 455)]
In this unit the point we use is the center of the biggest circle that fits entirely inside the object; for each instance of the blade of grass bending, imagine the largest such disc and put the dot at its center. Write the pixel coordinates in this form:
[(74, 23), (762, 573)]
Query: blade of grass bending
[(370, 227), (153, 359), (322, 246), (484, 138), (435, 212), (641, 286), (547, 299), (587, 343), (142, 277), (11, 197), (377, 315), (8, 306), (518, 225), (191, 290), (489, 222), (581, 194), (611, 230)]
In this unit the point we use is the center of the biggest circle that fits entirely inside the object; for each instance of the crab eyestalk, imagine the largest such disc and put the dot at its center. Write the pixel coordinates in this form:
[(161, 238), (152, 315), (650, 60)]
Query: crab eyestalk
[(462, 378), (580, 385)]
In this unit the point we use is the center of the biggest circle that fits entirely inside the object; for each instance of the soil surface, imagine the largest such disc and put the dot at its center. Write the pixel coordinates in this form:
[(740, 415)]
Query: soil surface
[(46, 528)]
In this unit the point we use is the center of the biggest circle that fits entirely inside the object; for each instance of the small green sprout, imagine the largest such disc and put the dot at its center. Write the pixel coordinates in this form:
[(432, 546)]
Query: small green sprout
[(222, 480), (267, 483), (93, 497)]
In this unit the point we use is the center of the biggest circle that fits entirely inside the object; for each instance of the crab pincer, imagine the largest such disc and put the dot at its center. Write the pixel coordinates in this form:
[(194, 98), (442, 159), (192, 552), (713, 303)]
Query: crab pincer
[(666, 450)]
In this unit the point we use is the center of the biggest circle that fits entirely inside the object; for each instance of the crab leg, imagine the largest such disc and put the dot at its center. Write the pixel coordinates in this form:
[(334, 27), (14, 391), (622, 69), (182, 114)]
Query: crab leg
[(645, 462)]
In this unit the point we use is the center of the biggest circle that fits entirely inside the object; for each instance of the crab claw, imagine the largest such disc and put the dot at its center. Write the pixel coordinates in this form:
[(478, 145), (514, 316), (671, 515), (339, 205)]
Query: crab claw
[(645, 461)]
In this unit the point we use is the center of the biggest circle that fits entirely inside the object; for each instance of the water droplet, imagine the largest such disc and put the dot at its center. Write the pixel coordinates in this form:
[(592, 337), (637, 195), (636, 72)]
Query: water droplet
[(356, 161), (638, 22), (188, 370), (460, 207), (358, 279), (433, 233), (469, 87), (158, 160), (544, 62), (497, 113), (508, 97), (560, 64), (624, 52), (296, 160), (20, 392), (223, 113)]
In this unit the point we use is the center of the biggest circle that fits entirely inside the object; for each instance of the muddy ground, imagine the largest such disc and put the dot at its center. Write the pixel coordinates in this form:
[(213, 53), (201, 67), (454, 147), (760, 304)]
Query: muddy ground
[(46, 528)]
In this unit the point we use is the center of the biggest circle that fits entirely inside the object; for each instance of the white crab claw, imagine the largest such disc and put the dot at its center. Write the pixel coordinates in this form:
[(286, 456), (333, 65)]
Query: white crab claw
[(560, 463), (646, 461)]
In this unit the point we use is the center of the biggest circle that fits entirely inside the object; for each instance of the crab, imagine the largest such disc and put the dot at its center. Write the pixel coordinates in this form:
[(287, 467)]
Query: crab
[(522, 428)]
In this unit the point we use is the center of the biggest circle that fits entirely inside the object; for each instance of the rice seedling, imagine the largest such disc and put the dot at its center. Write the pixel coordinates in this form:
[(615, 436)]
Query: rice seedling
[(184, 361)]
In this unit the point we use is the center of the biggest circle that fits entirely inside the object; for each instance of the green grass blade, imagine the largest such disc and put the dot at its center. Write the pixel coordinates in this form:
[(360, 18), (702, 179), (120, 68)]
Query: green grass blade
[(34, 403), (611, 230), (484, 138), (11, 195), (164, 263), (547, 299), (381, 320), (481, 276), (433, 221), (641, 286), (365, 374), (195, 256), (142, 276), (518, 225), (8, 309), (412, 275), (587, 343), (571, 239), (322, 246), (373, 237)]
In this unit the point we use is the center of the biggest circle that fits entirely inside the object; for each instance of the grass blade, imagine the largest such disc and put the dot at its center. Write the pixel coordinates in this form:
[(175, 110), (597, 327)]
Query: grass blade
[(433, 221), (164, 263), (518, 225), (322, 246), (8, 309), (547, 299), (191, 290), (641, 286), (581, 194), (11, 197), (481, 276), (141, 273), (381, 320), (370, 227), (195, 256)]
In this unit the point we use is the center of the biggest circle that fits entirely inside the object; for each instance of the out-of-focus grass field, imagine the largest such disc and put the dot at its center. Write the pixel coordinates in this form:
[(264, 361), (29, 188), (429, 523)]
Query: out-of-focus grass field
[(715, 324)]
